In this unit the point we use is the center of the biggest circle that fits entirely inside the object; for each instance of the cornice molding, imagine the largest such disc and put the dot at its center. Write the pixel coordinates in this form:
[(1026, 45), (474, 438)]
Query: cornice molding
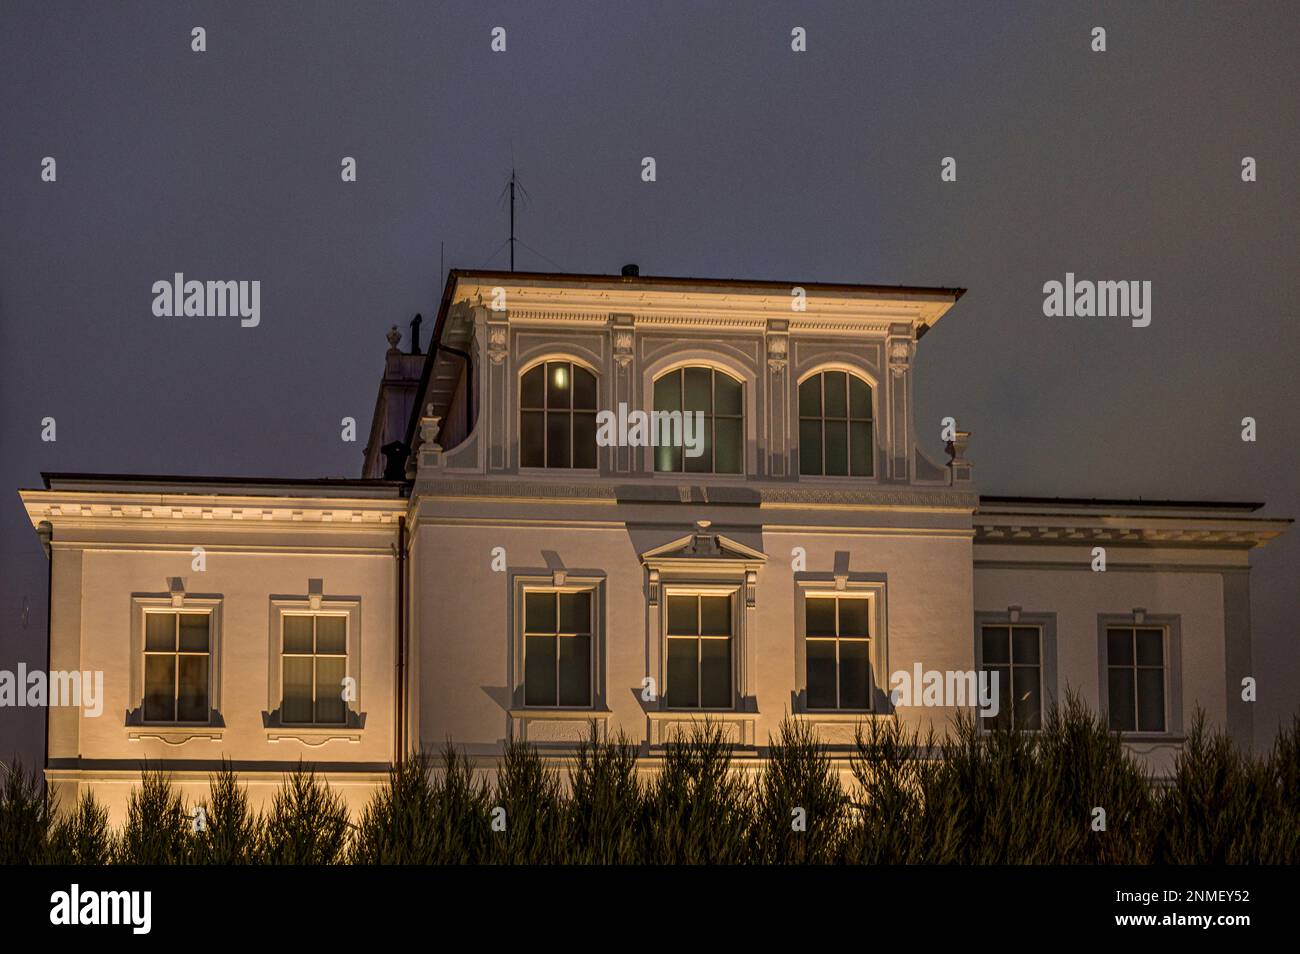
[(81, 509)]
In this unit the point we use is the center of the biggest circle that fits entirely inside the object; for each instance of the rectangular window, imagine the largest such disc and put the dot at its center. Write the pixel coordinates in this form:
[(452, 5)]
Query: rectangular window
[(314, 663), (699, 652), (177, 660), (837, 643), (557, 648), (1014, 653), (1135, 678)]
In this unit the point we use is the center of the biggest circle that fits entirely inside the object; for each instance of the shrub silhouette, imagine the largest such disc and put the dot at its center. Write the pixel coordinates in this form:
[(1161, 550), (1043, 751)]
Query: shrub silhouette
[(307, 825), (157, 827), (969, 797)]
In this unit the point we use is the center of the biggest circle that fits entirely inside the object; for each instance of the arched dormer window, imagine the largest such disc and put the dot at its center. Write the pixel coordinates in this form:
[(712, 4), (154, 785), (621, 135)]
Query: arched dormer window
[(557, 416), (835, 437), (714, 402)]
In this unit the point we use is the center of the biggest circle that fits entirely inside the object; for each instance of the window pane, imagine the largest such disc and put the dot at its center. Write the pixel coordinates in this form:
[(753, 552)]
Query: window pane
[(854, 672), (1001, 675), (297, 634), (810, 447), (730, 446), (532, 389), (1151, 647), (296, 706), (160, 631), (557, 439), (331, 634), (575, 671), (682, 689), (194, 632), (1151, 700), (837, 448), (726, 395), (715, 673), (702, 431), (837, 398), (810, 397), (668, 459), (532, 439), (668, 392), (859, 399), (1119, 647), (192, 700), (861, 454), (584, 440), (159, 688), (996, 644), (715, 615), (330, 672), (1025, 689), (682, 615), (1024, 644), (854, 618), (821, 673), (819, 617), (539, 671), (584, 389), (699, 389), (559, 389), (1120, 687), (539, 612), (575, 612)]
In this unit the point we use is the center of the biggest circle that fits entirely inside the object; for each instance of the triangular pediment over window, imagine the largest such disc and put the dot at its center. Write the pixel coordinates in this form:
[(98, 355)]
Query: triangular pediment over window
[(703, 547)]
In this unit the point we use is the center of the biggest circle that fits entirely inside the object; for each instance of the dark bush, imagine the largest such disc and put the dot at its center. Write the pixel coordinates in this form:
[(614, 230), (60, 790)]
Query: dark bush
[(232, 834), (698, 808), (307, 825), (157, 829)]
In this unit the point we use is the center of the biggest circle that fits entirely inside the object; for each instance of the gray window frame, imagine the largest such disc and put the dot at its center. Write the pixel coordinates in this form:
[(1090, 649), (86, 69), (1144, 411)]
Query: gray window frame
[(1048, 692), (1172, 626)]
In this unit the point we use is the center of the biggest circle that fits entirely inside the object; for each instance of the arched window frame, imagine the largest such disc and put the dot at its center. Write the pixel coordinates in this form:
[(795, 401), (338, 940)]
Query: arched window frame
[(533, 364), (748, 392), (873, 389)]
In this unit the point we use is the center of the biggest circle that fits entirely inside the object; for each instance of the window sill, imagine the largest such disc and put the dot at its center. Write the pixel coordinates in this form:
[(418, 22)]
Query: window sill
[(666, 724), (837, 715), (173, 734), (558, 471), (313, 734), (1151, 738), (569, 726), (837, 726)]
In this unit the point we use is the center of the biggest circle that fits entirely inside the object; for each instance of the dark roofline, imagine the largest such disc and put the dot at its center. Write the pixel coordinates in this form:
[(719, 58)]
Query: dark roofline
[(435, 344), (340, 482), (1109, 502), (492, 274), (457, 274)]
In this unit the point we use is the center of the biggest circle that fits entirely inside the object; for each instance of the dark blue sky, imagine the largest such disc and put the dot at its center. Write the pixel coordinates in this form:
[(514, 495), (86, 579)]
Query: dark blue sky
[(815, 166)]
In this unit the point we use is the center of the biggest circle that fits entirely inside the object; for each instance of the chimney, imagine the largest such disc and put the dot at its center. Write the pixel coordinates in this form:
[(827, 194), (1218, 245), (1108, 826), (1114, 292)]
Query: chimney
[(631, 271), (415, 333)]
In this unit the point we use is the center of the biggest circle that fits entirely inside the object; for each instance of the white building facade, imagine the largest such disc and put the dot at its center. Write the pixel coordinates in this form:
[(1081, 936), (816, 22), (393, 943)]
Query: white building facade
[(503, 569)]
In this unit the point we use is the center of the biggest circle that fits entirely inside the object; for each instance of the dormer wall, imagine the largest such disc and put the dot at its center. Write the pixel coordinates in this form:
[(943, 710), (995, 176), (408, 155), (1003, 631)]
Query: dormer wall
[(761, 357)]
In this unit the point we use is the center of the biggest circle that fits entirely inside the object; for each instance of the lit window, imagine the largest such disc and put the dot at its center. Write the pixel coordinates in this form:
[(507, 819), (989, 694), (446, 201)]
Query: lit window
[(1135, 672), (314, 661), (837, 635), (557, 648), (835, 426), (717, 397), (177, 661), (557, 416), (1014, 653), (699, 652)]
